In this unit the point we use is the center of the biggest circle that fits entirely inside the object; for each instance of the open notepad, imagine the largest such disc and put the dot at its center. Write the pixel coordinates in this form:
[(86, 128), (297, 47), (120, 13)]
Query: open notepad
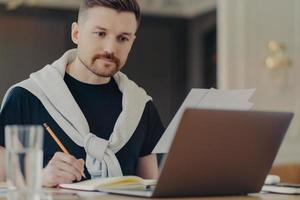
[(123, 182)]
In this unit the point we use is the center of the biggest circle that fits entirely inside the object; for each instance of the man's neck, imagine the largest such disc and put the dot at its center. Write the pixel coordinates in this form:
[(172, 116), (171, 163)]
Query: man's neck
[(81, 73)]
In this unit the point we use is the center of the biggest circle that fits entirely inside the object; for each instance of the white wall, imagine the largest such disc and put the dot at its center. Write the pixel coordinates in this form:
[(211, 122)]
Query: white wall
[(244, 31)]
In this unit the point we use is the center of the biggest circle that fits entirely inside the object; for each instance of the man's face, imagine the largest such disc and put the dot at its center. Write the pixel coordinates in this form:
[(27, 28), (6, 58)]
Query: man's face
[(104, 39)]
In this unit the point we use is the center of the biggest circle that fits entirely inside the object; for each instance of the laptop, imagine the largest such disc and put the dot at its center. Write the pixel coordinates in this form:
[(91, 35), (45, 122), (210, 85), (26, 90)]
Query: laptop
[(219, 152)]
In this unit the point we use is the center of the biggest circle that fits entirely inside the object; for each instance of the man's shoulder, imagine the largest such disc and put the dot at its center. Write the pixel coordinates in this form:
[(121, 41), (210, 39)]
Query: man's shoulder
[(19, 92), (19, 96), (16, 100)]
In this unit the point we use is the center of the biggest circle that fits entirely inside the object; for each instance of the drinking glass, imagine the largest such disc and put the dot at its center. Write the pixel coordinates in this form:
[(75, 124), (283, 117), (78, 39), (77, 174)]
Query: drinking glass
[(24, 161)]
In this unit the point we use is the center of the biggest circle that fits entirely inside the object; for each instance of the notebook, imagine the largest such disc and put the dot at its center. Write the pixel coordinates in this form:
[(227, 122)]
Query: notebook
[(123, 182), (218, 152), (282, 188)]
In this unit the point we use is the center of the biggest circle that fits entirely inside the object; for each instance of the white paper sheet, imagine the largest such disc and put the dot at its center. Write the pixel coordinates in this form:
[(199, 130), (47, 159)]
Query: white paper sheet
[(71, 194), (227, 99), (205, 98)]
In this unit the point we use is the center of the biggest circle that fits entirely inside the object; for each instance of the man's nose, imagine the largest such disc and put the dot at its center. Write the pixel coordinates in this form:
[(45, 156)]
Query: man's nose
[(110, 46)]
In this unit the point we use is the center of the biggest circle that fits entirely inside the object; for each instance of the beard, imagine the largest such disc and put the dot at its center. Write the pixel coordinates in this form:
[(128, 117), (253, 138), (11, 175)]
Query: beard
[(103, 65)]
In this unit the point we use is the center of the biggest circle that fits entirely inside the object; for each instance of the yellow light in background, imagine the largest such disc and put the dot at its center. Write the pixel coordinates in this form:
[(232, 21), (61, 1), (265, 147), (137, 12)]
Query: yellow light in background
[(14, 4)]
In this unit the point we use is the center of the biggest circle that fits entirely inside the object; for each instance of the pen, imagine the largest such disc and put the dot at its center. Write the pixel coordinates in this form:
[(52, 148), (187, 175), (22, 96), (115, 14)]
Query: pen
[(58, 142)]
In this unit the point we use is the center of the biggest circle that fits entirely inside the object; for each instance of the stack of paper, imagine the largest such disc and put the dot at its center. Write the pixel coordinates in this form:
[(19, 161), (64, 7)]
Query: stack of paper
[(209, 99)]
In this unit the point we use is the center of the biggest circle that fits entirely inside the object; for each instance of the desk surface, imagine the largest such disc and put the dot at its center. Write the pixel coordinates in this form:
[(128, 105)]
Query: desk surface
[(249, 197)]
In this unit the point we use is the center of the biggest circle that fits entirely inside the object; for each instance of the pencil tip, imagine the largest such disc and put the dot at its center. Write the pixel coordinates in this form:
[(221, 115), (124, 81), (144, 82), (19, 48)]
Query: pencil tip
[(45, 125)]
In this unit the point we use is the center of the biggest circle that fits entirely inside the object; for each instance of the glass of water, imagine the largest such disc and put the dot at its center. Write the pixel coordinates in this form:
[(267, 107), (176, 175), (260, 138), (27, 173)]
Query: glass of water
[(24, 161)]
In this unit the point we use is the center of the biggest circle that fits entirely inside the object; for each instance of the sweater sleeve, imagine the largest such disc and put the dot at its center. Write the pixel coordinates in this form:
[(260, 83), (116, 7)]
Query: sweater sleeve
[(154, 130)]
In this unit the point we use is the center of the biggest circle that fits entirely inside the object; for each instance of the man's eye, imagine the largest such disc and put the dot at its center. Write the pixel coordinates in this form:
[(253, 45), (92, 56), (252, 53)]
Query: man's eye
[(123, 39), (100, 34)]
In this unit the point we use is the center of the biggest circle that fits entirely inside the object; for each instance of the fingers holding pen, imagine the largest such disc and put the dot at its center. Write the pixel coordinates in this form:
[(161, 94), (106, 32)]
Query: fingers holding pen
[(66, 157), (69, 163), (62, 168)]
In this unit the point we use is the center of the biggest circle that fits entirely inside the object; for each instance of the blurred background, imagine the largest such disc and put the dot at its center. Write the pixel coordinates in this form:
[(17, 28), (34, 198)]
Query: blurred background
[(181, 44)]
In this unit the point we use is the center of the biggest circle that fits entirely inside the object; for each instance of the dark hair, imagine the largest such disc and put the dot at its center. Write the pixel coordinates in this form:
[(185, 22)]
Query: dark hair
[(119, 5)]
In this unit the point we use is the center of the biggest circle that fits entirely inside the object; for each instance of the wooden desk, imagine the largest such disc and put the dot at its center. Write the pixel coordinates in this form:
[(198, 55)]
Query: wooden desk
[(249, 197)]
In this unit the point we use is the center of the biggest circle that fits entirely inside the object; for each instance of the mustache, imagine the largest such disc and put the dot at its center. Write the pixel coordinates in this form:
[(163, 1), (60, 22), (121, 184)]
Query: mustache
[(109, 56)]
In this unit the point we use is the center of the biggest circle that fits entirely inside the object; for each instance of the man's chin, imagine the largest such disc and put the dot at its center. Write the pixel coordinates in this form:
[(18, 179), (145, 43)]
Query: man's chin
[(107, 74), (105, 70)]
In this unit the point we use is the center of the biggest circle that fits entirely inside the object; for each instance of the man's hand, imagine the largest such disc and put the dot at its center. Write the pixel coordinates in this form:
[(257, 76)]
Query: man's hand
[(62, 168)]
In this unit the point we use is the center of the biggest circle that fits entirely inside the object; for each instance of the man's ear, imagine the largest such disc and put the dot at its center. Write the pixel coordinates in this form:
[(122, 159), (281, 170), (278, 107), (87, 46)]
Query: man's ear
[(75, 32), (134, 37)]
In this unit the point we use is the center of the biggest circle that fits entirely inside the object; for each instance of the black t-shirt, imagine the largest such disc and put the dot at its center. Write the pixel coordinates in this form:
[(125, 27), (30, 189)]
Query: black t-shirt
[(101, 105)]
